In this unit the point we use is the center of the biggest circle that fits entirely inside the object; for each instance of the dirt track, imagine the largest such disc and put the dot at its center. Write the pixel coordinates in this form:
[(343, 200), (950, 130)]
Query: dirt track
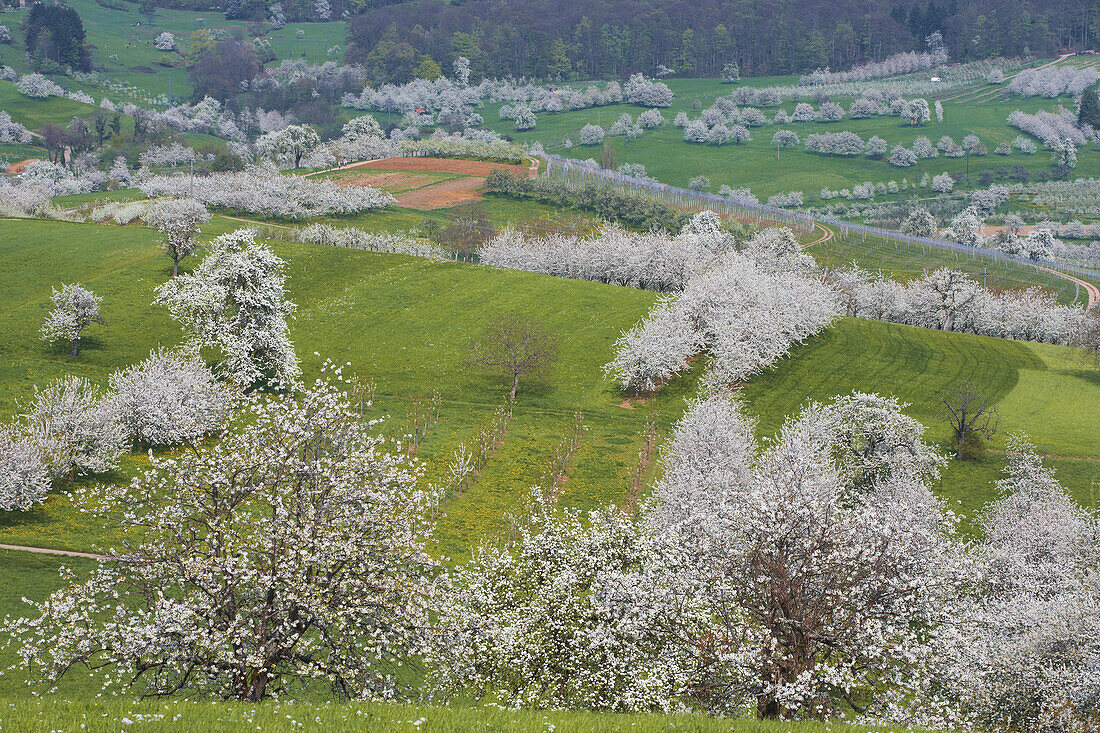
[(50, 551)]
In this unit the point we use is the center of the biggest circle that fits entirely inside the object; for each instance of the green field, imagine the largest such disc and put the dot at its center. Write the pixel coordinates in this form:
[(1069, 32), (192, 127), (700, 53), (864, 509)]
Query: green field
[(128, 35), (1049, 393), (757, 165), (903, 261), (405, 323), (401, 321), (33, 113)]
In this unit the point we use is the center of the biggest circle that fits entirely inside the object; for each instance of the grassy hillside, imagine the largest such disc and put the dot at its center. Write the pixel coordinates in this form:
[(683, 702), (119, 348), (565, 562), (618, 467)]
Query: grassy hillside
[(405, 323), (33, 113), (402, 321), (903, 261), (1049, 393)]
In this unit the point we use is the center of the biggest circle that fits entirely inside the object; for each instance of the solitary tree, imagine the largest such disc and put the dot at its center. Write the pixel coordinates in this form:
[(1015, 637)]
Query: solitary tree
[(970, 416), (179, 220), (468, 228), (607, 156), (516, 346), (73, 309), (290, 550), (1064, 156), (234, 301), (1089, 113)]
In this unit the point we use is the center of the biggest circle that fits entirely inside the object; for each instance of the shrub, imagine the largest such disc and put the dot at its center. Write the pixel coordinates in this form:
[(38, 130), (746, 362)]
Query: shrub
[(168, 399), (591, 135)]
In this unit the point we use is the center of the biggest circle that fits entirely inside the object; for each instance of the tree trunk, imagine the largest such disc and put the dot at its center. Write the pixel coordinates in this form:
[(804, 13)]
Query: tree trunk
[(256, 687), (767, 707), (175, 267), (76, 346), (515, 385)]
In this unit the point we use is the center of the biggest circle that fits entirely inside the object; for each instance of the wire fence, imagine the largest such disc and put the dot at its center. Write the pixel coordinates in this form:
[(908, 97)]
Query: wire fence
[(570, 170)]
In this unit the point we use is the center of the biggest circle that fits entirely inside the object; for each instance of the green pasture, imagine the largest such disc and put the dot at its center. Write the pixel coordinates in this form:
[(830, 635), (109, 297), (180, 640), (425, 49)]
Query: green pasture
[(758, 165), (401, 321), (405, 323), (1049, 393)]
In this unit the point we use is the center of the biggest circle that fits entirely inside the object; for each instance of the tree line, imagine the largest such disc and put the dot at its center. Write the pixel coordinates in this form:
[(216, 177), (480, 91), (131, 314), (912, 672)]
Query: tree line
[(584, 39)]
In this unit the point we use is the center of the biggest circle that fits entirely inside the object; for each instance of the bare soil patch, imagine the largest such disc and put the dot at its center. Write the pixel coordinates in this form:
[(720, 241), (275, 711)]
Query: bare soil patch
[(387, 180), (431, 196), (20, 166), (444, 195)]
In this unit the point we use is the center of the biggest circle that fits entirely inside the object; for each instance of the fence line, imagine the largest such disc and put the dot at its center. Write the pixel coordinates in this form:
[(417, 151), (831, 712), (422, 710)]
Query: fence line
[(571, 170)]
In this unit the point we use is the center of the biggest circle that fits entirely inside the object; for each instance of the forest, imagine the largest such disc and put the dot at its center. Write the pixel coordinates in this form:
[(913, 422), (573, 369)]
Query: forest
[(565, 39)]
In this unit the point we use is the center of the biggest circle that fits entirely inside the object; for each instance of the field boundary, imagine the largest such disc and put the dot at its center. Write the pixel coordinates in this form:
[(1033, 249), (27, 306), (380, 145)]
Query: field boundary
[(573, 171)]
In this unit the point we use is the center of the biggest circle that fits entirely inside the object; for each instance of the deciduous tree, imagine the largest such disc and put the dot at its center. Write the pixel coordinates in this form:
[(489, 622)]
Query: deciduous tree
[(290, 550), (515, 345), (74, 309)]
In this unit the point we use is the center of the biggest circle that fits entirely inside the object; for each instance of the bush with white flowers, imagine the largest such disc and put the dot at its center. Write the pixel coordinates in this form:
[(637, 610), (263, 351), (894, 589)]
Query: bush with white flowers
[(12, 132), (37, 86), (902, 157), (24, 480), (647, 92), (168, 399), (591, 135), (74, 428)]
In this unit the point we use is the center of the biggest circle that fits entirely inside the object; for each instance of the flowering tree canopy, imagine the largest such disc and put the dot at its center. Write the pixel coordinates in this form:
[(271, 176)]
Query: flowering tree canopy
[(310, 564), (234, 302), (169, 398), (179, 220), (74, 308), (73, 428)]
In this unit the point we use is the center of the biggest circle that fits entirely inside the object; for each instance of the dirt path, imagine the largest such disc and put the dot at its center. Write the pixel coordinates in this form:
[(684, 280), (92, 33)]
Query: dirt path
[(50, 551), (826, 235), (983, 95), (1093, 292)]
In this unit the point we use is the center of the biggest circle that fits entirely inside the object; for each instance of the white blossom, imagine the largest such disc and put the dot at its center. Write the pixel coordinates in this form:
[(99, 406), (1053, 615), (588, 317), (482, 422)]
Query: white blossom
[(310, 565), (234, 301), (169, 398), (73, 429), (24, 480), (75, 308)]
